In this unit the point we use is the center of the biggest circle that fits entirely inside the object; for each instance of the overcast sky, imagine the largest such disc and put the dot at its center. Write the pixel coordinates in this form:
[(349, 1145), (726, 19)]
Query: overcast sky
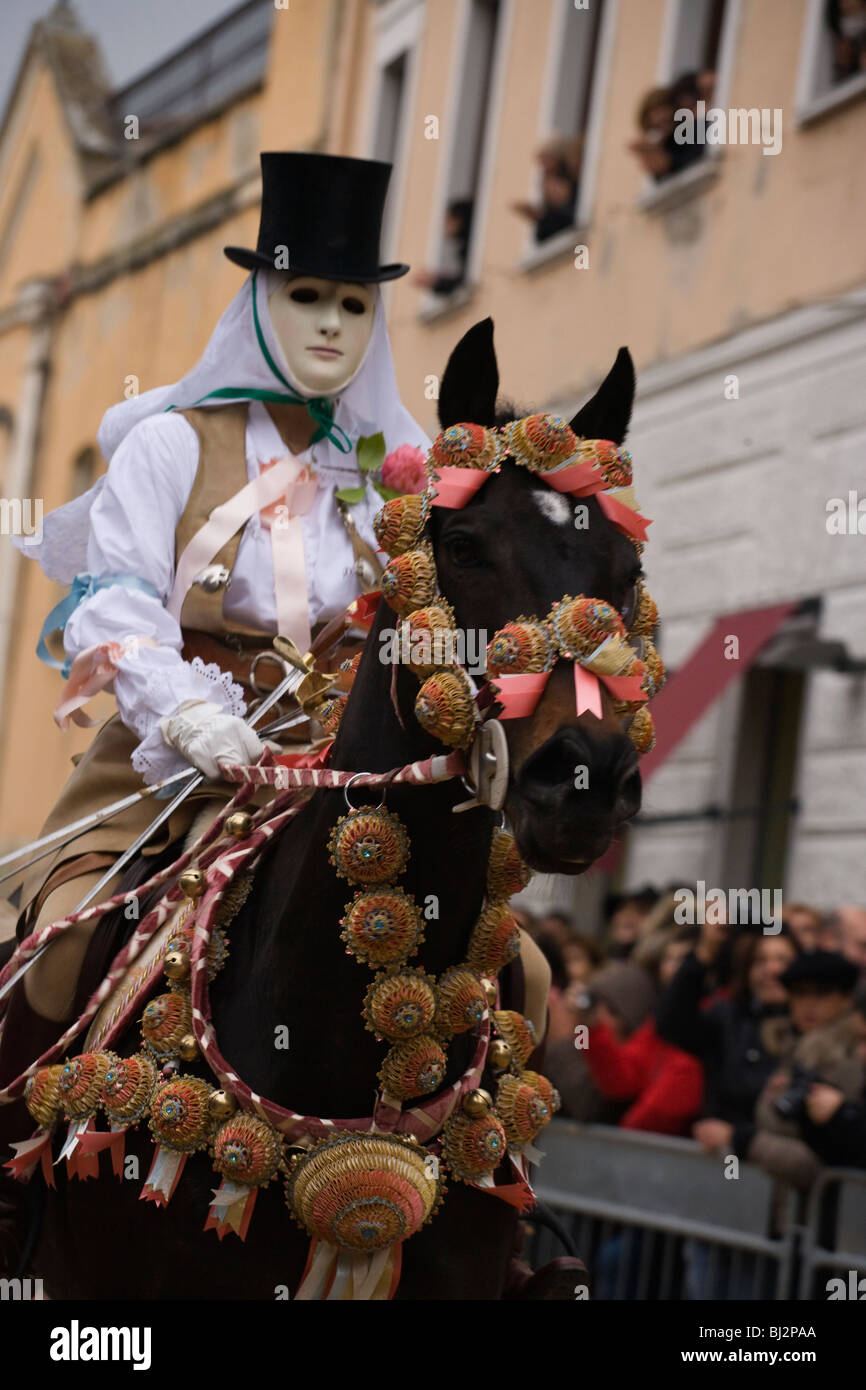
[(134, 34)]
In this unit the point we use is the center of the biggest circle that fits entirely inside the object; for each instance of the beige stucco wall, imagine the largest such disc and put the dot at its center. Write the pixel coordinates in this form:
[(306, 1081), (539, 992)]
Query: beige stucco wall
[(770, 232)]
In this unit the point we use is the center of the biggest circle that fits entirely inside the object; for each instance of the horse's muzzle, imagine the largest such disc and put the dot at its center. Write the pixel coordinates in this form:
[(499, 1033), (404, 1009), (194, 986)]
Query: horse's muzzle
[(570, 797)]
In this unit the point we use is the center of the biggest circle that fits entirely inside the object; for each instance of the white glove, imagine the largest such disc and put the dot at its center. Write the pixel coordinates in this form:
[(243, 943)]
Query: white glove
[(208, 737)]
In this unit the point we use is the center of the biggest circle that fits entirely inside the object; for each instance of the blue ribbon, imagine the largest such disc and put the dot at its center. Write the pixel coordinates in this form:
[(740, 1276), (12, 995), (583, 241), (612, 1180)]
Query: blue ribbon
[(83, 586)]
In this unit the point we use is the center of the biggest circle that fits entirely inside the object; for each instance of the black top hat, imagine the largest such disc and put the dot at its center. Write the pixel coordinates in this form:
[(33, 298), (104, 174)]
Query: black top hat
[(321, 215), (827, 969)]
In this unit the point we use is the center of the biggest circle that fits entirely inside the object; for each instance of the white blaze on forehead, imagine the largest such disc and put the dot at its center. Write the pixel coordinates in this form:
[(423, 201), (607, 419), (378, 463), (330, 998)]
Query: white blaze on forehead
[(553, 506)]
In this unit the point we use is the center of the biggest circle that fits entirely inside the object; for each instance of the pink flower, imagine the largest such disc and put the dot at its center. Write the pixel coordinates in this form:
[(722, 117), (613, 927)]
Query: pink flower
[(404, 469)]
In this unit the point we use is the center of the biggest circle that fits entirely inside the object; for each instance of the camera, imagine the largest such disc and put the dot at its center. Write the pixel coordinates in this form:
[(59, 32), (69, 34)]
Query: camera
[(791, 1104)]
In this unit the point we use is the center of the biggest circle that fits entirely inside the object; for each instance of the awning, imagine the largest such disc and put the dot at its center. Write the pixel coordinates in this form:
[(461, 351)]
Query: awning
[(707, 673)]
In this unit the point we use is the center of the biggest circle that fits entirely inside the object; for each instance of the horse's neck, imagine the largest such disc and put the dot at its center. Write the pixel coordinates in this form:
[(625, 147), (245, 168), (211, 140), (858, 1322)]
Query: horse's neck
[(292, 963), (379, 732)]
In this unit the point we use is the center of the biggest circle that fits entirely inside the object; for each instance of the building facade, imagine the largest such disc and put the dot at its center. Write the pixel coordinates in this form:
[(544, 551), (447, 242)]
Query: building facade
[(737, 280)]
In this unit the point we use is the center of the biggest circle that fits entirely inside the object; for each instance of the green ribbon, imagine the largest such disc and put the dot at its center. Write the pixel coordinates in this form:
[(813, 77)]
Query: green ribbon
[(321, 409)]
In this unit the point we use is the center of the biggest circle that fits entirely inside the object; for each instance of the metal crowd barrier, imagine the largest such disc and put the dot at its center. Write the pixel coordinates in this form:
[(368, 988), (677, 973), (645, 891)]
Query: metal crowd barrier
[(655, 1217), (834, 1247)]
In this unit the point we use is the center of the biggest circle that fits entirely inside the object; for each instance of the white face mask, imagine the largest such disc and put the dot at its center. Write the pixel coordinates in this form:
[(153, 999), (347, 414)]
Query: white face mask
[(323, 328)]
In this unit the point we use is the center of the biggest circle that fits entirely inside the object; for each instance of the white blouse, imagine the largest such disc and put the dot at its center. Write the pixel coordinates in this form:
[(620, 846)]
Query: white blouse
[(133, 524)]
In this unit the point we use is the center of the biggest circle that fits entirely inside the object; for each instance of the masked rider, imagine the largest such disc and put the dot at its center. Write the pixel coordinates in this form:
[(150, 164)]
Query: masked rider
[(173, 599)]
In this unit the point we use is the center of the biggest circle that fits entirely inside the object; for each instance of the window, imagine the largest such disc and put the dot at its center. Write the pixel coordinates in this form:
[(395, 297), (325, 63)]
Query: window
[(563, 175), (763, 804), (833, 63), (6, 428), (695, 64), (697, 32), (457, 237), (397, 30)]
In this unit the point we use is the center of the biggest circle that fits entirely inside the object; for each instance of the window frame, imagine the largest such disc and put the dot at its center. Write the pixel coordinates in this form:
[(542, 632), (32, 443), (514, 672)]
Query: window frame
[(658, 195), (398, 26), (435, 306), (534, 253), (810, 106)]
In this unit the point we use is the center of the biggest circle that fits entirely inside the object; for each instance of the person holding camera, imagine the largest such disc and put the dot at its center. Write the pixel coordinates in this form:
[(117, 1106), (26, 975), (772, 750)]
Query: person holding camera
[(821, 1070)]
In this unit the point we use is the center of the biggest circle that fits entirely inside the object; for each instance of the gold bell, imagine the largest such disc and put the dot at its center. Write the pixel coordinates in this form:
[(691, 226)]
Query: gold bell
[(240, 824), (222, 1105), (500, 1054), (489, 987), (188, 1048), (477, 1103), (176, 965), (192, 883)]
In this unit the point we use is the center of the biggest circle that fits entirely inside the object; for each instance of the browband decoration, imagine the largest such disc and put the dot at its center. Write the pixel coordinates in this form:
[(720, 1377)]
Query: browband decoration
[(464, 455)]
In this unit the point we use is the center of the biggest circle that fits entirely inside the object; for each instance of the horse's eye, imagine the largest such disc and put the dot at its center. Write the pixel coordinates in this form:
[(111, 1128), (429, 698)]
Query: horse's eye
[(354, 306), (463, 549), (304, 295)]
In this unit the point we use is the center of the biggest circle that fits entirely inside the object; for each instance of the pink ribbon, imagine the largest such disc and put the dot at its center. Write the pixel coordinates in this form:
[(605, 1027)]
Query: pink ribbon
[(272, 485), (580, 479), (29, 1153), (283, 520), (457, 486), (587, 691), (519, 695), (623, 517), (91, 671)]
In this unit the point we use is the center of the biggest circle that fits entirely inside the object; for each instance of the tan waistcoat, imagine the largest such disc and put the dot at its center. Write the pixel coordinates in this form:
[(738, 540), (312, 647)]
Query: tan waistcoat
[(221, 472)]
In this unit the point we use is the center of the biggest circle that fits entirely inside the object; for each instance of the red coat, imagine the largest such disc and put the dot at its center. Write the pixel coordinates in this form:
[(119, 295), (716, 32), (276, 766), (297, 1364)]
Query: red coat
[(665, 1084)]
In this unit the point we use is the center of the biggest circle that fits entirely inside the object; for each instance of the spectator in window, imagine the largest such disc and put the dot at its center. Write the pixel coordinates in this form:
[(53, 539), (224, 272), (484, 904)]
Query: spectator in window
[(655, 120), (626, 915), (658, 150), (455, 248), (804, 923), (560, 161), (661, 1084), (846, 20), (845, 931), (727, 1033)]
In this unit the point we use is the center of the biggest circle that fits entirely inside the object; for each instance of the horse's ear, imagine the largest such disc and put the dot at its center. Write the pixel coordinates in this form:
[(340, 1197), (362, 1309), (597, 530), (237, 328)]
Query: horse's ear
[(606, 416), (470, 382)]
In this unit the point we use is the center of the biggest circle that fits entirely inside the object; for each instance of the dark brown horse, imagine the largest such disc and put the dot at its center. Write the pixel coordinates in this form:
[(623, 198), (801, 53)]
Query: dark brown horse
[(514, 549)]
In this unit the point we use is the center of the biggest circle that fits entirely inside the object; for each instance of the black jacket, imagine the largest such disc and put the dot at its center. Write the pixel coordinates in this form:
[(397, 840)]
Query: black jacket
[(841, 1142), (727, 1038)]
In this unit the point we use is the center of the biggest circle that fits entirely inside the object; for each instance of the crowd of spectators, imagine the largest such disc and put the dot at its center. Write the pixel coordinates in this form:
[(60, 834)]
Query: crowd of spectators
[(751, 1042)]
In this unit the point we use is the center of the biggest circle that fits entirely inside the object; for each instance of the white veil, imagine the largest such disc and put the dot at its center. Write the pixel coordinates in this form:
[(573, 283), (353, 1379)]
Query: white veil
[(233, 358)]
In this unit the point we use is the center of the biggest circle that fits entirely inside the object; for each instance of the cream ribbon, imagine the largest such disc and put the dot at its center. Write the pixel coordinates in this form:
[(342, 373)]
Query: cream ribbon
[(284, 481)]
